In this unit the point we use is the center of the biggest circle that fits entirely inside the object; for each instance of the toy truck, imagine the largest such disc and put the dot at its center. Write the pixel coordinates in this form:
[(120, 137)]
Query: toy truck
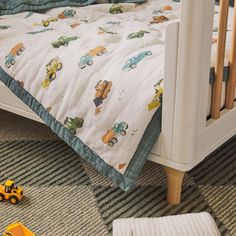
[(17, 229), (67, 13), (10, 192), (63, 41), (110, 137), (15, 51), (102, 90), (157, 99), (72, 124)]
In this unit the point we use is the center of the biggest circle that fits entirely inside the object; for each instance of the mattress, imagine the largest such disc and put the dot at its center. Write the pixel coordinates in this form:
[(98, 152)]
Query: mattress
[(95, 76)]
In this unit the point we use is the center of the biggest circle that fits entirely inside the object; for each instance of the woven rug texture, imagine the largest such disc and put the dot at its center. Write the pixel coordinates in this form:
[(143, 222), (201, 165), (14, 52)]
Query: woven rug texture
[(66, 196)]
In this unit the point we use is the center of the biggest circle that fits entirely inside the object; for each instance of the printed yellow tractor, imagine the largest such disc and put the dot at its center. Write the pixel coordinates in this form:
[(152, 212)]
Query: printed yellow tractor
[(10, 192), (157, 99), (47, 22), (52, 67)]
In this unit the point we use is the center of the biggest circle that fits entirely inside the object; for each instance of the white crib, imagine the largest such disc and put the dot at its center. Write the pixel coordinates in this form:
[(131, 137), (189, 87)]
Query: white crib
[(187, 137)]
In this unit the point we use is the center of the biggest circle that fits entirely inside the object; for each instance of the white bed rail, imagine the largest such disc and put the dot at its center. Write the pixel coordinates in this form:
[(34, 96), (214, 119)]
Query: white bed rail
[(171, 57), (187, 69), (194, 59), (192, 137)]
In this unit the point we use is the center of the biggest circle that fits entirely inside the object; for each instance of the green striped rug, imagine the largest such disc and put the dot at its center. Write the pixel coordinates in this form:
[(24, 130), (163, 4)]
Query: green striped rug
[(66, 196)]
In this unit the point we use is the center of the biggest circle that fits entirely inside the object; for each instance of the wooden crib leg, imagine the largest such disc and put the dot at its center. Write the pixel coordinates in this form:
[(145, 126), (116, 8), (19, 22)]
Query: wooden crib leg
[(174, 185)]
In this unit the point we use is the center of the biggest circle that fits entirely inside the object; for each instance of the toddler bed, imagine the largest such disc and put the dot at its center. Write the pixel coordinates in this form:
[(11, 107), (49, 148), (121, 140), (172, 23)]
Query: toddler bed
[(96, 76)]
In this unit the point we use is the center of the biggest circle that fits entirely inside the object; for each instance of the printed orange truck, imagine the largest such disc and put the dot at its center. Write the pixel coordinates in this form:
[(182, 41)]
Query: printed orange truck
[(103, 88), (17, 49), (159, 19), (98, 51), (109, 136)]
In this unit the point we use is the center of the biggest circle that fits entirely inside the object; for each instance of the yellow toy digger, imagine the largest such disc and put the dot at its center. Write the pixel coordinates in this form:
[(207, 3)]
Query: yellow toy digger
[(17, 229), (10, 192)]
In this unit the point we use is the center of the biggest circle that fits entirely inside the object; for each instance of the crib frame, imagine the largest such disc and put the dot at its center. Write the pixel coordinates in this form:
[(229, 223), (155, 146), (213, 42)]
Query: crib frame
[(186, 137)]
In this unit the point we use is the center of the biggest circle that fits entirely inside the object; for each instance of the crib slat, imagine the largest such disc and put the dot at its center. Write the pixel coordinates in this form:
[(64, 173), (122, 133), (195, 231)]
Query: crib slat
[(219, 68), (230, 92)]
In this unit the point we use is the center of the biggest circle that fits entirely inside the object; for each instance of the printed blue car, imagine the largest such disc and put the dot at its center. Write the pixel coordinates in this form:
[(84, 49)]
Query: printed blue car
[(132, 62), (85, 60), (10, 60)]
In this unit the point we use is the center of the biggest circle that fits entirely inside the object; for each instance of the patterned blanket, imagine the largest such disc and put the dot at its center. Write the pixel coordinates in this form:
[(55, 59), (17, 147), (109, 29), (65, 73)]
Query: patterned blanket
[(94, 74)]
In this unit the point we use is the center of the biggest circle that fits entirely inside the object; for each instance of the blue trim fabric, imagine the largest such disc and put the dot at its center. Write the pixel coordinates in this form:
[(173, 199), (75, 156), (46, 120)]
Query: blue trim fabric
[(126, 181), (14, 6), (124, 1)]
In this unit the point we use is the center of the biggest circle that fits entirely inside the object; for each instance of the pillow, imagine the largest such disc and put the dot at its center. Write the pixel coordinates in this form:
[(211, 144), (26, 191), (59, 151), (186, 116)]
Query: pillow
[(14, 6), (120, 1)]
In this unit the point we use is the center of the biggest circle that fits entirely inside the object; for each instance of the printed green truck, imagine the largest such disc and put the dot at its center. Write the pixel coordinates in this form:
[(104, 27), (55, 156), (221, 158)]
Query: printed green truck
[(72, 124), (63, 41), (116, 9)]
